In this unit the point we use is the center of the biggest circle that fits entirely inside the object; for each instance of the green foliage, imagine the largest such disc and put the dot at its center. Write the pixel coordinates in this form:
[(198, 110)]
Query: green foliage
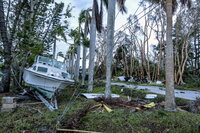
[(140, 94), (181, 102), (192, 85), (86, 42), (75, 34), (36, 30)]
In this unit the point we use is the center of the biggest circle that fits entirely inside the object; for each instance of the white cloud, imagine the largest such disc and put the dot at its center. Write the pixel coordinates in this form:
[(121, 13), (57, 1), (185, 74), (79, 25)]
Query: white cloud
[(121, 19)]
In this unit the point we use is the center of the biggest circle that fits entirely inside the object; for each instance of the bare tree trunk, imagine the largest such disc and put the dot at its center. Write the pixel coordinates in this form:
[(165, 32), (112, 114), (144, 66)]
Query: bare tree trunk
[(175, 65), (159, 66), (8, 13), (169, 65), (184, 58), (32, 3), (92, 50), (131, 60), (110, 43), (7, 44)]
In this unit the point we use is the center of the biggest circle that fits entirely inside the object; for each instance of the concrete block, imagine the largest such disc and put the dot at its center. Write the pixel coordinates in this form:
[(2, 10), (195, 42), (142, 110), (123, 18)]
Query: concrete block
[(8, 100), (9, 106), (7, 110)]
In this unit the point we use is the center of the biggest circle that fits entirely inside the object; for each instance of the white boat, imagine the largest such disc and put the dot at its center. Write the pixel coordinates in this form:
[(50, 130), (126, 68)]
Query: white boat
[(47, 76)]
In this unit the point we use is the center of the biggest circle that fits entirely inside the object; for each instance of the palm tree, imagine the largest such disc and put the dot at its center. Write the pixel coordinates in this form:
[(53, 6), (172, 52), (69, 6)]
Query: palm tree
[(70, 54), (75, 34), (170, 6), (78, 53), (92, 49), (169, 61), (86, 19), (96, 24), (7, 44), (110, 41)]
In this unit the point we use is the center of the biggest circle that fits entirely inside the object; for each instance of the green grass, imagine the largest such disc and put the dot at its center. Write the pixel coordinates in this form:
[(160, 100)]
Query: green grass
[(142, 122), (193, 86), (28, 119), (123, 91), (179, 101)]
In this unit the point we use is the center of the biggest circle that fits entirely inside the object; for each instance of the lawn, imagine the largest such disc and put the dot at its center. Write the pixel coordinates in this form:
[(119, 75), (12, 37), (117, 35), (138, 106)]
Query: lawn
[(37, 118)]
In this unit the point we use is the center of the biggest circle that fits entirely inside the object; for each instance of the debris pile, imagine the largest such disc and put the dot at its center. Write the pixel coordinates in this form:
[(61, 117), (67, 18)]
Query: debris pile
[(107, 105), (134, 79), (194, 106), (136, 104)]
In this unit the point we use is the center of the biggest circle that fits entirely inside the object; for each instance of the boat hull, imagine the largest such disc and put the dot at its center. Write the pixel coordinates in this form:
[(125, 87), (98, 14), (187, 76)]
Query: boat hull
[(47, 85)]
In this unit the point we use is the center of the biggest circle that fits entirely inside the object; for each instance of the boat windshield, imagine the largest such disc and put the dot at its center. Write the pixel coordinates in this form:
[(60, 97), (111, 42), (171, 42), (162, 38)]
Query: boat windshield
[(45, 61), (51, 62), (59, 65)]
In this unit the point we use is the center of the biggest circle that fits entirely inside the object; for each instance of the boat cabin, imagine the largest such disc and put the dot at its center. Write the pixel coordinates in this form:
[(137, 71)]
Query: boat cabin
[(50, 67)]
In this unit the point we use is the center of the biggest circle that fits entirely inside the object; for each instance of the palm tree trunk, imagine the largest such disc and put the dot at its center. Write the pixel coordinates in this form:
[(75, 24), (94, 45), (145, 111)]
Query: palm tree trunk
[(77, 62), (5, 84), (72, 59), (84, 57), (70, 64), (54, 48), (110, 43), (169, 65), (84, 65), (92, 50)]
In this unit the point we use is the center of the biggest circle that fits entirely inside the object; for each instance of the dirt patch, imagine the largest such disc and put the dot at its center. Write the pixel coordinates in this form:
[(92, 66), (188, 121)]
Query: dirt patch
[(73, 121)]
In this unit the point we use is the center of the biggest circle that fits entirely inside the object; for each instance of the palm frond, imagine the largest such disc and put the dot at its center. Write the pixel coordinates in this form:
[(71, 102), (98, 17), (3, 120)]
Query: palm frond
[(98, 15), (121, 5), (105, 2), (187, 3), (153, 1), (101, 16), (174, 6)]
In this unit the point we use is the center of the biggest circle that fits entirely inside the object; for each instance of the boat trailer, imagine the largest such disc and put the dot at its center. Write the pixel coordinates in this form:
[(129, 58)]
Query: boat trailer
[(52, 105)]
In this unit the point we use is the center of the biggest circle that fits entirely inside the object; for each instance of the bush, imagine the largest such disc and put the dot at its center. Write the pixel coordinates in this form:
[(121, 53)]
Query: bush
[(181, 102)]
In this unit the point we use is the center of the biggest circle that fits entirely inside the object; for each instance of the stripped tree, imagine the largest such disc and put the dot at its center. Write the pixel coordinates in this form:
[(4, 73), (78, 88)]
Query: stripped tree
[(170, 6)]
